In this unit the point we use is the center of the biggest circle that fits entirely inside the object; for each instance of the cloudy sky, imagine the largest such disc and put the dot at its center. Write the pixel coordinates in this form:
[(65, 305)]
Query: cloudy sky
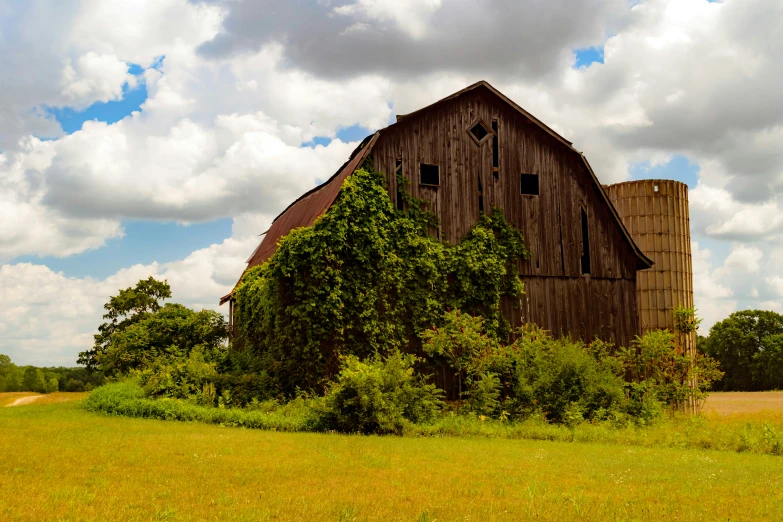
[(161, 137)]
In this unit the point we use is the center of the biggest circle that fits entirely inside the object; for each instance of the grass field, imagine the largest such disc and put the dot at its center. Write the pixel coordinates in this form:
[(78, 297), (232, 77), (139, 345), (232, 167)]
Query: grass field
[(62, 463), (732, 403)]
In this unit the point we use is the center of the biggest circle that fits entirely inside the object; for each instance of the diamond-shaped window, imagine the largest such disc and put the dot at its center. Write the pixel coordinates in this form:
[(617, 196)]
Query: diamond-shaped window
[(478, 131)]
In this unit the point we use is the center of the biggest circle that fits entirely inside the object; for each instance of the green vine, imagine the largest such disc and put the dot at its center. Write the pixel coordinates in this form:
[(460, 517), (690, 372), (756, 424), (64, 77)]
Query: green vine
[(366, 279), (685, 320)]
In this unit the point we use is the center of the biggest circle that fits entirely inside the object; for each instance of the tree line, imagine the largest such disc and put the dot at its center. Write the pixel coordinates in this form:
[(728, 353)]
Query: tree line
[(15, 378)]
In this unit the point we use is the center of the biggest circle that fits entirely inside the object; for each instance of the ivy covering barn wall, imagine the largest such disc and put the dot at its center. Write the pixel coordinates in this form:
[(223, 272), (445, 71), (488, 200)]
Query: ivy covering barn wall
[(366, 279)]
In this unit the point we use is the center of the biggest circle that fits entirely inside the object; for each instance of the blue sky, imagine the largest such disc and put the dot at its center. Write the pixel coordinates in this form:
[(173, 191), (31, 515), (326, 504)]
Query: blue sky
[(588, 56), (144, 242), (109, 112)]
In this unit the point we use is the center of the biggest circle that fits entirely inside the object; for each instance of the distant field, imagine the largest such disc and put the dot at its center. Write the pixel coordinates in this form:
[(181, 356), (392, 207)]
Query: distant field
[(13, 398), (729, 403), (61, 463)]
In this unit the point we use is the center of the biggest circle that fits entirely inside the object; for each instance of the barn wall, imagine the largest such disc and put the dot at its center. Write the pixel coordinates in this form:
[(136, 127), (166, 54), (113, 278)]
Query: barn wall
[(560, 297), (584, 307)]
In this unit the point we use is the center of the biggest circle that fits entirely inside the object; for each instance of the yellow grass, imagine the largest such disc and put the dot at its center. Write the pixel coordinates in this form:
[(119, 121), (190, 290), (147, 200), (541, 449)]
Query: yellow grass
[(731, 403), (10, 397), (62, 463)]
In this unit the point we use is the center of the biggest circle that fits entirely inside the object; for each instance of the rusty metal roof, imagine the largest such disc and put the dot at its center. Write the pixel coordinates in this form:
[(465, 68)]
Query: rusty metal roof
[(304, 211)]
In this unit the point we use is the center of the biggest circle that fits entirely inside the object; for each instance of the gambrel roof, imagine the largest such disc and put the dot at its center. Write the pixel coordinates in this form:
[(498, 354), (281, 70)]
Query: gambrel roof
[(308, 207)]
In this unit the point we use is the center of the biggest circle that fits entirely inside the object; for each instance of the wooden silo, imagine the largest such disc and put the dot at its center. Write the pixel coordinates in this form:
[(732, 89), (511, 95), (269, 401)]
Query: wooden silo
[(655, 212)]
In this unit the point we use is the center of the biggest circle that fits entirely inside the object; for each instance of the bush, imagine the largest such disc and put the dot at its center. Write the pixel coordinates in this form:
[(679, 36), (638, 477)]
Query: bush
[(192, 377), (658, 370), (242, 378), (127, 399), (643, 402), (461, 342), (485, 394), (379, 396), (562, 379)]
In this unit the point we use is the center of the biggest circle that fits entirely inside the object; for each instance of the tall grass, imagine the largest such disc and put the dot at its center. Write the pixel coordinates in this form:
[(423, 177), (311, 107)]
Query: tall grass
[(755, 433)]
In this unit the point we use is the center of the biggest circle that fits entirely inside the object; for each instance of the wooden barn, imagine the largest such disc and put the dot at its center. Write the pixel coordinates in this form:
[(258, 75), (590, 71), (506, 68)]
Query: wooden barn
[(476, 150)]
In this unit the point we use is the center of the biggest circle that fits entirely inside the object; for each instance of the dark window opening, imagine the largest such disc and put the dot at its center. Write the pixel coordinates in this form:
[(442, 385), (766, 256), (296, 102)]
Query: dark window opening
[(479, 131), (529, 184), (585, 244), (480, 195), (400, 199), (429, 174), (495, 150)]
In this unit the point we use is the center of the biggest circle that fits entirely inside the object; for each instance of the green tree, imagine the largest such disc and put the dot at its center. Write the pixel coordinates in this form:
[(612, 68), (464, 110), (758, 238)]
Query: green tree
[(13, 381), (52, 385), (768, 363), (5, 371), (739, 343), (34, 380), (122, 311), (74, 385), (171, 332)]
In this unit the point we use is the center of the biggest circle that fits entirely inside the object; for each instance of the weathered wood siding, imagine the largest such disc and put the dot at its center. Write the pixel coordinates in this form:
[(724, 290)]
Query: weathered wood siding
[(559, 298)]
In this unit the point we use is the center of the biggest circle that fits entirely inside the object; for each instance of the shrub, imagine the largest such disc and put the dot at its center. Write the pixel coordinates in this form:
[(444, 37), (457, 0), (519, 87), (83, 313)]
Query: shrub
[(643, 403), (380, 395), (461, 342), (562, 379), (192, 377), (244, 377), (658, 368), (485, 394), (127, 399)]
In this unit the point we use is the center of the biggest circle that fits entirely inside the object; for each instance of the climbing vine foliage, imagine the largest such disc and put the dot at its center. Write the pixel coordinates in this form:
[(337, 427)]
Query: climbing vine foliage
[(367, 279)]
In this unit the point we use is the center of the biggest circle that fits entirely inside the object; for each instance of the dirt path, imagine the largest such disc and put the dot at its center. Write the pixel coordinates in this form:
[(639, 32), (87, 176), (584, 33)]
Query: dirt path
[(24, 400)]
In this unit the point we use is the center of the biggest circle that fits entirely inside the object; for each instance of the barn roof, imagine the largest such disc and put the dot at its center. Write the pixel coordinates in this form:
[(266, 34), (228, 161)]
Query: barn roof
[(310, 205)]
